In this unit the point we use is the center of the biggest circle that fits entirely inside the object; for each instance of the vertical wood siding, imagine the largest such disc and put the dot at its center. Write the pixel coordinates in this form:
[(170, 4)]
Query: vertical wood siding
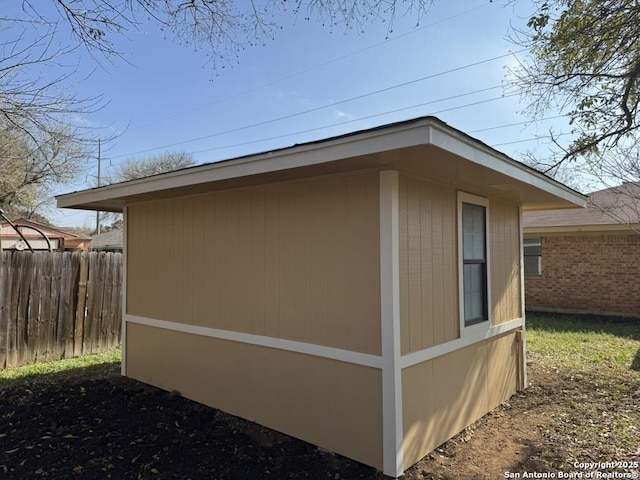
[(504, 236), (332, 404), (444, 395), (298, 261), (428, 268), (428, 263)]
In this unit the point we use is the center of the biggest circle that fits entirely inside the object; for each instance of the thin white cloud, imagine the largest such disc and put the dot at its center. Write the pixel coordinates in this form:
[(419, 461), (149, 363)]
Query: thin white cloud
[(341, 115)]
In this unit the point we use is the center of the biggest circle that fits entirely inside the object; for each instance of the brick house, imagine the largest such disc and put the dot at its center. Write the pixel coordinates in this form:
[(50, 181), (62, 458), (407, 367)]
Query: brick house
[(585, 261)]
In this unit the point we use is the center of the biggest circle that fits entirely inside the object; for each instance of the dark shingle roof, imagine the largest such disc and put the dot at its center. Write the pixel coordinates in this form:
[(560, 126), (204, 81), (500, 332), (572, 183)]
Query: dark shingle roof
[(612, 206), (110, 239)]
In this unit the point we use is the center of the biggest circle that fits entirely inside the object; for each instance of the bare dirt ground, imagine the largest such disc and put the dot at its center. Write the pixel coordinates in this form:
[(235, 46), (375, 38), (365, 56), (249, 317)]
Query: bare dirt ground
[(560, 424), (97, 424)]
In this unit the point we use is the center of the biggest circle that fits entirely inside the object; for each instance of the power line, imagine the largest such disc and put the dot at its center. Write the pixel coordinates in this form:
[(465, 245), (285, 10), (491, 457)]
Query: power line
[(399, 110), (541, 137), (316, 67), (368, 118), (297, 114), (515, 124)]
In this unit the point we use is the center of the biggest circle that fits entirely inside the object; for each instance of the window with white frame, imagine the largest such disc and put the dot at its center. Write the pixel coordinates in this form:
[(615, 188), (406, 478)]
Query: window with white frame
[(474, 263), (532, 256)]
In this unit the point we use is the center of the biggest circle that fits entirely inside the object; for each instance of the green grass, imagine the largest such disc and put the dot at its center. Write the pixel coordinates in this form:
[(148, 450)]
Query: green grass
[(592, 367), (559, 341), (81, 366), (570, 341)]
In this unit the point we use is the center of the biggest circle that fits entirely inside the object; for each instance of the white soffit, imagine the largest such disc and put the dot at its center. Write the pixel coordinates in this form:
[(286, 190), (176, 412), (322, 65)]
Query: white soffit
[(352, 145), (475, 151), (412, 133)]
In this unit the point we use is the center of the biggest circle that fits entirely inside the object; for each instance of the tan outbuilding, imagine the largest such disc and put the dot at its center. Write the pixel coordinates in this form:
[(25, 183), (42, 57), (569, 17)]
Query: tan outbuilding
[(363, 293)]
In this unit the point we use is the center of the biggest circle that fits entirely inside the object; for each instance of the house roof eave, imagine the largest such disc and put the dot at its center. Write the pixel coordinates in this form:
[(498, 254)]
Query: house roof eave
[(374, 147), (577, 229)]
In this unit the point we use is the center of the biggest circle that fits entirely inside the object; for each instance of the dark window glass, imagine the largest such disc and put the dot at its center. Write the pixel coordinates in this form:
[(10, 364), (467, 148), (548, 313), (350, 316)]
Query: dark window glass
[(474, 255), (532, 256)]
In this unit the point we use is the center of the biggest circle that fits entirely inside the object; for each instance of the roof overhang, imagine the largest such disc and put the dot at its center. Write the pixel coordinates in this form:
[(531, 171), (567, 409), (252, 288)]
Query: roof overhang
[(425, 146), (581, 229)]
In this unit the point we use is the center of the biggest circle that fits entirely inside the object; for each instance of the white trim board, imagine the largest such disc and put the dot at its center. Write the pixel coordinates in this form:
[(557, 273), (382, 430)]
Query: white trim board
[(438, 350), (410, 133), (525, 380), (392, 428), (357, 358), (460, 144), (123, 328), (367, 142), (347, 356)]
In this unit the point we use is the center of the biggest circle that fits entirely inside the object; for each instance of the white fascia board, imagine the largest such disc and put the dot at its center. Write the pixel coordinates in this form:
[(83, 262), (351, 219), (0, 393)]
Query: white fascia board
[(577, 229), (365, 143), (480, 154), (423, 131)]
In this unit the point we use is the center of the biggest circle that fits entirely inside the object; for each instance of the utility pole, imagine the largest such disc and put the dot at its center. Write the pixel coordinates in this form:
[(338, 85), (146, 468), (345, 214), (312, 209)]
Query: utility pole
[(98, 212)]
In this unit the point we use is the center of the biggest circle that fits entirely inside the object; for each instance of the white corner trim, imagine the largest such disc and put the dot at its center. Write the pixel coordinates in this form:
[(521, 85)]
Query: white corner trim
[(438, 350), (392, 431), (123, 328), (525, 380), (358, 358)]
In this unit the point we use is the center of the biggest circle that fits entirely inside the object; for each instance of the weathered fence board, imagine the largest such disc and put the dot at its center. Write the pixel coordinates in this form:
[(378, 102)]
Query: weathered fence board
[(67, 300), (5, 295), (24, 268), (58, 305), (114, 302)]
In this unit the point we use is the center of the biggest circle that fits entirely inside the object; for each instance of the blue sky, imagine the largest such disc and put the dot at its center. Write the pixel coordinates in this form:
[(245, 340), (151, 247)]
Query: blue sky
[(307, 83)]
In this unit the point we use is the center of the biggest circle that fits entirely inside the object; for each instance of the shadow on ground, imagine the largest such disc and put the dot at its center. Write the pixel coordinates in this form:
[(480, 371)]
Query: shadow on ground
[(68, 375), (635, 365), (86, 423), (554, 322)]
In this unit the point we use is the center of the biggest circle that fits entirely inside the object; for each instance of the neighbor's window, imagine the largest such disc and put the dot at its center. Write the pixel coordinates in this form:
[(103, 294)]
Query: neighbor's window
[(473, 225), (532, 256)]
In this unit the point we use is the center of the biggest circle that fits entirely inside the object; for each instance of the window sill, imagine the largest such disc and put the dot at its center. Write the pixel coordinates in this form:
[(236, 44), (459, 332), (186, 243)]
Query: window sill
[(475, 328)]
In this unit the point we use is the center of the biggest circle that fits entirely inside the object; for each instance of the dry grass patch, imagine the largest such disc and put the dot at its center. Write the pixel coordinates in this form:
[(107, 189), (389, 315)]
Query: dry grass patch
[(582, 406)]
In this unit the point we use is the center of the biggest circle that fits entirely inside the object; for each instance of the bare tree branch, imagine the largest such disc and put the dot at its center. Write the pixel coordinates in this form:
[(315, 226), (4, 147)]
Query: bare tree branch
[(44, 141), (585, 62)]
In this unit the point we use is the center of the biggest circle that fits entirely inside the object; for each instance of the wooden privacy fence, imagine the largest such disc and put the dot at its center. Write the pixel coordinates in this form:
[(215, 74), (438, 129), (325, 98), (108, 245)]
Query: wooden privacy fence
[(58, 305)]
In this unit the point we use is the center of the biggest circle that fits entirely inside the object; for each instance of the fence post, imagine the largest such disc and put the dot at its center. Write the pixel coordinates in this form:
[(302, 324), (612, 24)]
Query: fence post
[(68, 300), (51, 325), (5, 299), (27, 262), (33, 313), (82, 299), (93, 321)]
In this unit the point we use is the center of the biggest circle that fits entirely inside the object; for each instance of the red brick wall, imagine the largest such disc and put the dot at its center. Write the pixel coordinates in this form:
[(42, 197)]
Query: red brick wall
[(588, 274)]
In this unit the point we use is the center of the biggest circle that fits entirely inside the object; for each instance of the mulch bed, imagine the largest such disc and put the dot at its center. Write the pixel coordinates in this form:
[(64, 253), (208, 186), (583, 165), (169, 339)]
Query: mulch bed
[(95, 424), (114, 427)]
